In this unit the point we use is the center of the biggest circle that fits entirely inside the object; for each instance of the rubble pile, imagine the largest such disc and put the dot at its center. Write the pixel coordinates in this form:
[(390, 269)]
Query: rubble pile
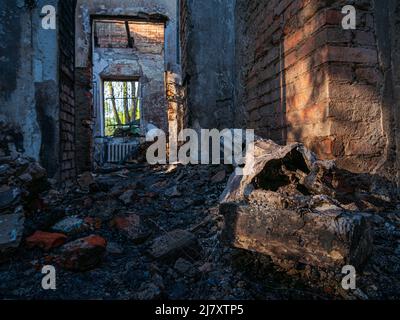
[(11, 140), (21, 181), (145, 232), (301, 211), (151, 232)]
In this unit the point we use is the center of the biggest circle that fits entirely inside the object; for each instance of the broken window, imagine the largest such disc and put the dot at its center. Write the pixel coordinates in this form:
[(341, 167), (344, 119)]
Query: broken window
[(122, 111), (113, 34), (147, 37)]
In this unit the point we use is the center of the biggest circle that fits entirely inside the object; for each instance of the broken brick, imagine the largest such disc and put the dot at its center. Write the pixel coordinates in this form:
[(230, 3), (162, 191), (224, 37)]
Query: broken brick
[(131, 227), (46, 240), (8, 197), (86, 180), (83, 254)]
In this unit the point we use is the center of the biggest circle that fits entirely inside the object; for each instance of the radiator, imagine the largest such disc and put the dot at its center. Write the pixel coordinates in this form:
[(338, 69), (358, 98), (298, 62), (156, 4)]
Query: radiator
[(117, 152)]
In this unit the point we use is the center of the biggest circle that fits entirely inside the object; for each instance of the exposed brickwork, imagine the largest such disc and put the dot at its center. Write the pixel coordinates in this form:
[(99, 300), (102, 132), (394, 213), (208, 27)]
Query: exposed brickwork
[(67, 96), (83, 119), (145, 61), (306, 79), (177, 112), (111, 34), (148, 37), (184, 35)]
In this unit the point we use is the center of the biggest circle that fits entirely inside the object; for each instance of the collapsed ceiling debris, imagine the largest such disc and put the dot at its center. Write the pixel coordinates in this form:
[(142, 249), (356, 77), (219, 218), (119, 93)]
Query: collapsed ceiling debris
[(21, 181), (295, 208)]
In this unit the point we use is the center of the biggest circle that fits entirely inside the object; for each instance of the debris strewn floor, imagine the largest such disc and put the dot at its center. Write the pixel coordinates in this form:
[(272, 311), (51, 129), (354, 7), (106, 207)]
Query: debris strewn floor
[(154, 232)]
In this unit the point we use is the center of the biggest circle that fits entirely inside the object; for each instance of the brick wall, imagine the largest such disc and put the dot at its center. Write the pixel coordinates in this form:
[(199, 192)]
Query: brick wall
[(301, 77), (149, 45), (148, 37), (177, 112), (184, 36), (67, 97), (145, 61), (83, 119)]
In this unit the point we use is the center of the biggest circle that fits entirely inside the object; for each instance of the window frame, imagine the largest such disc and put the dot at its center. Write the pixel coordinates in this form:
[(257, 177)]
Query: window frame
[(130, 38), (103, 99)]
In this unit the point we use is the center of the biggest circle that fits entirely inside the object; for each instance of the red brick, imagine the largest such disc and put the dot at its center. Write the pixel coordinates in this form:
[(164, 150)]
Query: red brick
[(312, 114), (363, 147), (357, 55), (45, 240), (365, 38)]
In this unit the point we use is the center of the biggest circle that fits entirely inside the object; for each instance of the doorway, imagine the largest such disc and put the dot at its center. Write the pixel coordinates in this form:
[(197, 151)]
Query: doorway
[(129, 93)]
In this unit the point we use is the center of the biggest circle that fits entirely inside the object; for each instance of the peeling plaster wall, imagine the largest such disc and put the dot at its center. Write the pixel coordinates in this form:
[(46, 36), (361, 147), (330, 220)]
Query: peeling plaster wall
[(106, 62), (29, 76), (132, 8), (130, 63)]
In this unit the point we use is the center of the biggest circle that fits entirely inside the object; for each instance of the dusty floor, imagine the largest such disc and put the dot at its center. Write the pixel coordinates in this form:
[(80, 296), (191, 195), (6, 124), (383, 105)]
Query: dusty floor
[(167, 199)]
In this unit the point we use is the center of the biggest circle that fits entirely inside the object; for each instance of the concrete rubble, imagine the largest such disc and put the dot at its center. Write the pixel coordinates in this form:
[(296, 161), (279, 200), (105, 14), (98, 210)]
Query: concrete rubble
[(70, 226), (164, 240), (299, 210), (175, 243), (77, 191), (21, 181), (11, 230)]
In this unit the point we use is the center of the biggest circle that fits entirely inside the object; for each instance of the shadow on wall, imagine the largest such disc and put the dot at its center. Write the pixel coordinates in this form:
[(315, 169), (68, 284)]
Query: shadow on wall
[(327, 120), (334, 104), (303, 78)]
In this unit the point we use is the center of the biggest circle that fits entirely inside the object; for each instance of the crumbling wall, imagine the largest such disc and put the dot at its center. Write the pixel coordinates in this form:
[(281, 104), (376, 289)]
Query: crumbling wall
[(128, 8), (67, 89), (208, 50), (22, 67), (144, 62), (31, 84), (149, 66), (83, 118), (302, 77), (177, 112), (184, 29)]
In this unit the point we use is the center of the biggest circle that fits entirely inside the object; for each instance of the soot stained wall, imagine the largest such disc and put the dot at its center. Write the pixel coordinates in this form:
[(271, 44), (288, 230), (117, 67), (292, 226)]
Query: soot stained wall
[(302, 77)]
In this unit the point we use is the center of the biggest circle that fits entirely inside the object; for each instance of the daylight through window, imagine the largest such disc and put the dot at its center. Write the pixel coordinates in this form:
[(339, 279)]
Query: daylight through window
[(122, 112)]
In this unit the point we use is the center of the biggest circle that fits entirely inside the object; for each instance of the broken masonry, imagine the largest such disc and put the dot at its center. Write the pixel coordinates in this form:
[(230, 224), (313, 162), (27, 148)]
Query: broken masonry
[(302, 211), (203, 147)]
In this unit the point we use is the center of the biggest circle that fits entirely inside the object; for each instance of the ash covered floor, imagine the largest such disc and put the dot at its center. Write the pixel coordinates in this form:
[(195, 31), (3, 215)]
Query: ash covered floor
[(154, 232)]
